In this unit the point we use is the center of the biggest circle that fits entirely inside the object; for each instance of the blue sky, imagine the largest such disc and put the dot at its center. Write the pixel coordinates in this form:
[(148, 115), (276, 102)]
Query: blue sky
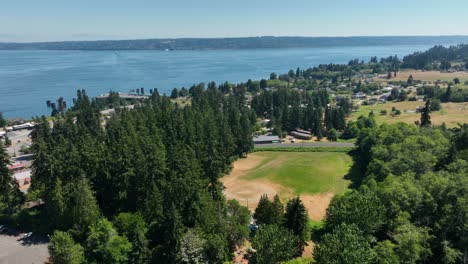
[(42, 20)]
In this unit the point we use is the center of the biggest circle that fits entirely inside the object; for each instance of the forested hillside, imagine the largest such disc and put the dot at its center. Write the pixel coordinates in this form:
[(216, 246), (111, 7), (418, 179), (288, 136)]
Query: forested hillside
[(236, 43), (438, 57)]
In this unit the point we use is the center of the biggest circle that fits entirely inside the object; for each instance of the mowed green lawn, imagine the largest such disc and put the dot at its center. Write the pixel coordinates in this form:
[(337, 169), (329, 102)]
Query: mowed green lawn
[(304, 172)]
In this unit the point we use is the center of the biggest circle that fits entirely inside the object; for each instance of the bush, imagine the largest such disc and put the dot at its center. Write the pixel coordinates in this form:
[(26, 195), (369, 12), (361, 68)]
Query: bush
[(383, 112), (435, 105)]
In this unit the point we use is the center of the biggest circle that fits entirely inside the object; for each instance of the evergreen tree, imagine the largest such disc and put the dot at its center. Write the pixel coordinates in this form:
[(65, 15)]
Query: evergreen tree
[(264, 212), (425, 114), (277, 211), (10, 196), (3, 122), (296, 221)]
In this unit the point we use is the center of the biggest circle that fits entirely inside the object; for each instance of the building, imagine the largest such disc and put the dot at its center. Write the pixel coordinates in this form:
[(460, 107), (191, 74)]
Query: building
[(264, 139), (359, 95), (23, 178), (302, 134), (17, 167)]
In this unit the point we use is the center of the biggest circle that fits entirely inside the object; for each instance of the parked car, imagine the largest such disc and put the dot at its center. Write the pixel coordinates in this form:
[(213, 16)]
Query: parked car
[(26, 235), (3, 229)]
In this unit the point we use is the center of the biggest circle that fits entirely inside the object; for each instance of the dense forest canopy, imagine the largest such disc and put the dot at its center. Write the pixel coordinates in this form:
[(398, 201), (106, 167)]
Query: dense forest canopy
[(409, 203), (236, 43)]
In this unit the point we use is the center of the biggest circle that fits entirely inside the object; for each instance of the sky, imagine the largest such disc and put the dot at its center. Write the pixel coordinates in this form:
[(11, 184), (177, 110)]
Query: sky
[(49, 20)]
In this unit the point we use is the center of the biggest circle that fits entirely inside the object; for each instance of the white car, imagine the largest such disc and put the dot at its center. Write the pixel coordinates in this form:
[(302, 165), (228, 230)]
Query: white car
[(26, 235)]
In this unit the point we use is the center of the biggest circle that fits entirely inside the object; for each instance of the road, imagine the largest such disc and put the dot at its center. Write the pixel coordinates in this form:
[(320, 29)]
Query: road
[(15, 250), (305, 145)]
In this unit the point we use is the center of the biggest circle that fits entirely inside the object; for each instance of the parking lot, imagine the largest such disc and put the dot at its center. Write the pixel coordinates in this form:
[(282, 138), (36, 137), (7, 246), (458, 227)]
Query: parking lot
[(14, 249)]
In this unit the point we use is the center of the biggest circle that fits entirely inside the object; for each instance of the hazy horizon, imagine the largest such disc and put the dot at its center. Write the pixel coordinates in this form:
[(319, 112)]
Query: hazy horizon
[(115, 38), (53, 20)]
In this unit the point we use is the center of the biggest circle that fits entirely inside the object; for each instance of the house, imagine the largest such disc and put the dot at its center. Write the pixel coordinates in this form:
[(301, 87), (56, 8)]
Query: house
[(387, 89), (17, 167), (384, 97), (302, 134), (266, 139), (359, 95), (22, 178)]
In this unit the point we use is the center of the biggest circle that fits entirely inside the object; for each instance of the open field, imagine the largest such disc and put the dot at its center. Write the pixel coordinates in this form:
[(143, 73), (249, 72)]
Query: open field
[(451, 113), (316, 176), (430, 76)]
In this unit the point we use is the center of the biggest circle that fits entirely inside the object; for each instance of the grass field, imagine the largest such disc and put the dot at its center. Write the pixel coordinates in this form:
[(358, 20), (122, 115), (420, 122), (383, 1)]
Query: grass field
[(315, 176), (451, 113), (304, 173), (430, 76)]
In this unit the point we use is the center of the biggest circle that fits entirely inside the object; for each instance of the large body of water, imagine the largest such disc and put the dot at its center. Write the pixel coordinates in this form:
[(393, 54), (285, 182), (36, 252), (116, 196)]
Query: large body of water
[(29, 78)]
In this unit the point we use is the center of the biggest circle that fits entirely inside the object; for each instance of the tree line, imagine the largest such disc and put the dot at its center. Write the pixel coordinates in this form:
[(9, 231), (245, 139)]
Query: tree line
[(142, 186), (409, 199)]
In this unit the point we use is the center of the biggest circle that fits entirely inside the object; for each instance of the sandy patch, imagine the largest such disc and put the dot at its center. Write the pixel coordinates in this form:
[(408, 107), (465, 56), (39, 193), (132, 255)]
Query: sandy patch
[(317, 204)]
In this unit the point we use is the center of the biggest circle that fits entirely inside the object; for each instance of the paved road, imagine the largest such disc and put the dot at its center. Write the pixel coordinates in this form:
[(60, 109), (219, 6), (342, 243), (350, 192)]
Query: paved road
[(305, 145), (15, 250)]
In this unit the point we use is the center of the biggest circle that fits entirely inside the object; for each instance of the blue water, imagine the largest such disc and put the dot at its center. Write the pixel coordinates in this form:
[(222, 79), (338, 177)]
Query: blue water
[(29, 78)]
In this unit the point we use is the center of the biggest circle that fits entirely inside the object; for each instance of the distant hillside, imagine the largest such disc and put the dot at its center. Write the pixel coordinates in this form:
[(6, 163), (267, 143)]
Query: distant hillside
[(234, 43)]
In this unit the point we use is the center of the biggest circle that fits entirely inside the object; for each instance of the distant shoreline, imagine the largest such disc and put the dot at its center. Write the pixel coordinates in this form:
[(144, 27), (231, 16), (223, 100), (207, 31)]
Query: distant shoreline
[(243, 43)]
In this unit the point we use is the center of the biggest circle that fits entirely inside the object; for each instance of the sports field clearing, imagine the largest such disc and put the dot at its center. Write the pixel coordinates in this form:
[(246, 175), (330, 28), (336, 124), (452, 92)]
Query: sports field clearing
[(451, 113), (315, 176)]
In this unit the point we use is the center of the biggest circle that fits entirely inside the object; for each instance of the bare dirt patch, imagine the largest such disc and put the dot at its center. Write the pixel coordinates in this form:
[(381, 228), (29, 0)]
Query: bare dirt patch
[(317, 204)]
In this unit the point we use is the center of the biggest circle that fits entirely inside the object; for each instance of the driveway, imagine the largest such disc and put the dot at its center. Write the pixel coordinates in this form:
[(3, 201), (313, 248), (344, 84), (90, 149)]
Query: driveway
[(16, 250)]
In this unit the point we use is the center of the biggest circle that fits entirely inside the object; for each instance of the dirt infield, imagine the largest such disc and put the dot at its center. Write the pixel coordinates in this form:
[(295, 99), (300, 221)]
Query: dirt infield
[(248, 192)]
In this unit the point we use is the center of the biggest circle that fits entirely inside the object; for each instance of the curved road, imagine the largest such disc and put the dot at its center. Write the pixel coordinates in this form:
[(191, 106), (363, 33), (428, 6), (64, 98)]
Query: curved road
[(305, 145)]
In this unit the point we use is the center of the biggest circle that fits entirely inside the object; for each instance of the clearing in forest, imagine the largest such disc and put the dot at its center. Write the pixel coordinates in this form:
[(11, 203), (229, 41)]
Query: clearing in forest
[(315, 176), (451, 113)]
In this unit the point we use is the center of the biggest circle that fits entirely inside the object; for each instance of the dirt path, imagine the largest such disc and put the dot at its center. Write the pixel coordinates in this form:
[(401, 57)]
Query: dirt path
[(248, 192)]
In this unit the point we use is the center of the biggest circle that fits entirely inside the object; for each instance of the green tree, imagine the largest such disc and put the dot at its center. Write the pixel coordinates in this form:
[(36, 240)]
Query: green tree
[(63, 250), (10, 196), (3, 122), (104, 245), (273, 76), (81, 209), (277, 211), (263, 84), (412, 243), (274, 244), (192, 248), (296, 220), (174, 93), (264, 212), (237, 219), (56, 204), (364, 209), (425, 114), (133, 227), (332, 135), (344, 245)]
